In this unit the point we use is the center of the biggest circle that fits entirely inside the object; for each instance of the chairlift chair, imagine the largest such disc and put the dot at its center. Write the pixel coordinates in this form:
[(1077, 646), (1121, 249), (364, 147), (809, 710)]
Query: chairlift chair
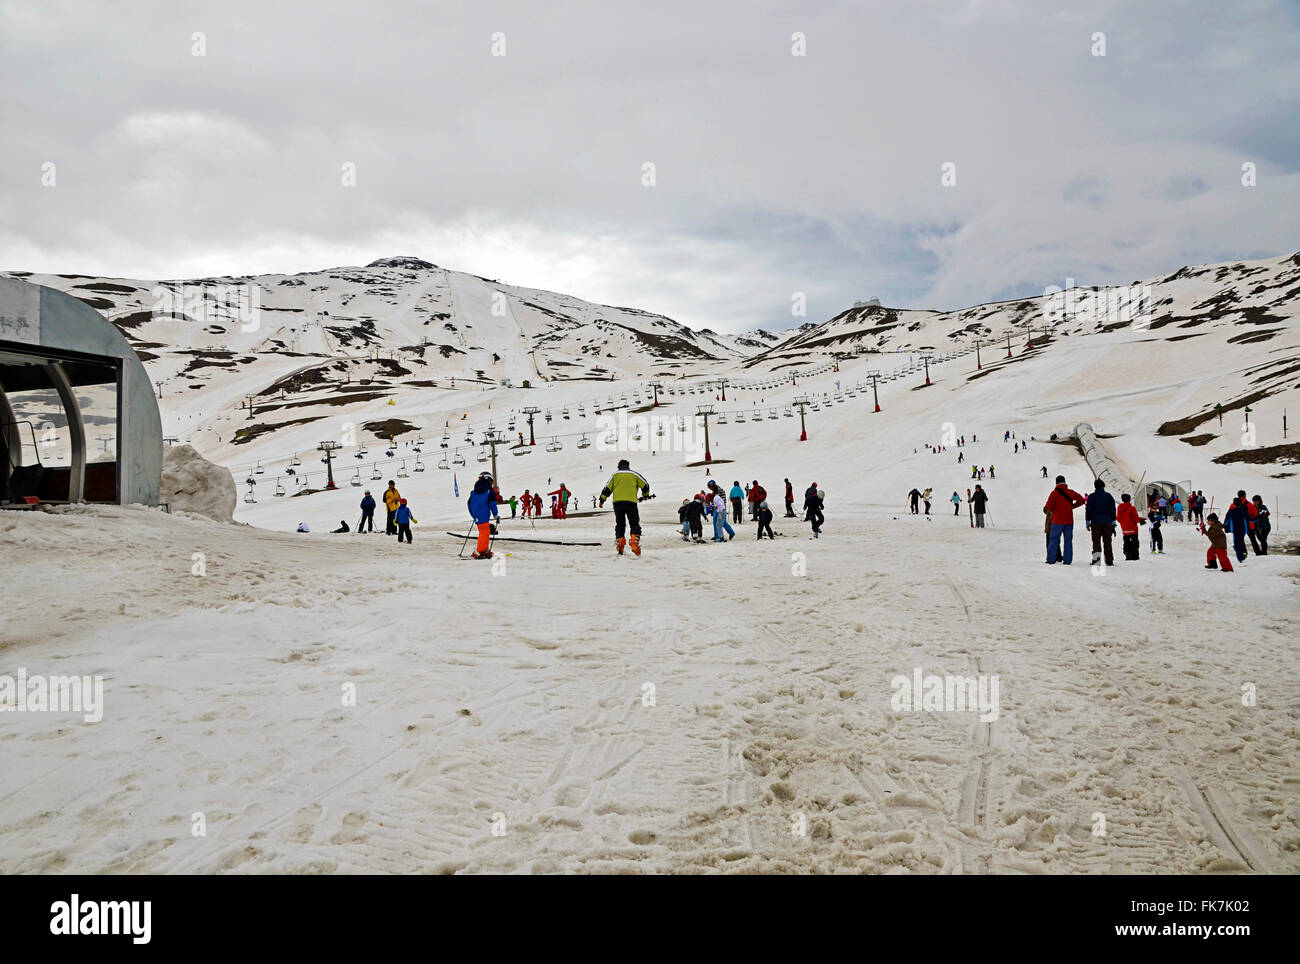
[(279, 487), (374, 475), (758, 415), (722, 418), (248, 496), (740, 416), (442, 464), (445, 440), (296, 460), (356, 478), (584, 443), (419, 465), (458, 458), (259, 468), (401, 471)]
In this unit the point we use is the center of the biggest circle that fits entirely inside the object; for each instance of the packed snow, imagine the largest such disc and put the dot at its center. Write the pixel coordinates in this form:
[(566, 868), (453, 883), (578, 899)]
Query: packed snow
[(322, 702)]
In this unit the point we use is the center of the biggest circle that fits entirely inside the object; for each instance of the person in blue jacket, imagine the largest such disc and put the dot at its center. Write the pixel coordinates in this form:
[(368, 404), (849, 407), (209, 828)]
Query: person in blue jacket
[(367, 513), (1237, 521), (1099, 516), (482, 504), (402, 518), (737, 495)]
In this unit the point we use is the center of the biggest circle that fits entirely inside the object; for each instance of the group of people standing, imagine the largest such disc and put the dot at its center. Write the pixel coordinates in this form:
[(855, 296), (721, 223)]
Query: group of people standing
[(711, 503)]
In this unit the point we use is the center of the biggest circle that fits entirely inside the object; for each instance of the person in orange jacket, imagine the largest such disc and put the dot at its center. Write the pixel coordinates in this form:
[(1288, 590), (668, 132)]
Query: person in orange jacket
[(1126, 514), (1061, 503)]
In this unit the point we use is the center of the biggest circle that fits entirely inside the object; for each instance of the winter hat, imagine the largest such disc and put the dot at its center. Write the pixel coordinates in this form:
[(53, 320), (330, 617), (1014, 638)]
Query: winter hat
[(1060, 480), (401, 501), (1213, 517)]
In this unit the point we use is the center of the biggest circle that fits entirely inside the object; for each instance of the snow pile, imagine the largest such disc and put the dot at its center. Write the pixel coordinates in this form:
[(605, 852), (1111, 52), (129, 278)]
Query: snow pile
[(190, 483)]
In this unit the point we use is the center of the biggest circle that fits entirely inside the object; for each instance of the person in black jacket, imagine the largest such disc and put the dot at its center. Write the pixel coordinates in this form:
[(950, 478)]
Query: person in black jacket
[(812, 505), (1099, 516), (1263, 526), (694, 513), (343, 526), (367, 513), (765, 520), (978, 500), (789, 500), (1237, 521)]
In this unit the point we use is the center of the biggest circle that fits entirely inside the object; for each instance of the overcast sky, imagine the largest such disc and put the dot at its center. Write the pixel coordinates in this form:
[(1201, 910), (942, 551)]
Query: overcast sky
[(774, 173)]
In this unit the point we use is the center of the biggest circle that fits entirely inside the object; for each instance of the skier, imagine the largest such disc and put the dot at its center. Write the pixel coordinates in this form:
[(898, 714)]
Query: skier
[(956, 504), (925, 497), (720, 517), (623, 486), (537, 504), (367, 512), (736, 494), (695, 517), (1157, 537), (686, 523), (1126, 516), (1263, 525), (789, 500), (765, 520), (483, 510), (392, 499), (1217, 554), (961, 457), (812, 503), (978, 500), (1061, 503), (1099, 517), (991, 475), (403, 519), (514, 506), (914, 498), (1044, 471)]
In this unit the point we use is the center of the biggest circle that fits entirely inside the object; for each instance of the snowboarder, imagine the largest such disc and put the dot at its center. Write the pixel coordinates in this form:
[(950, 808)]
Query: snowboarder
[(392, 499), (403, 519), (1099, 517), (482, 506), (1217, 554), (1061, 503), (1126, 516), (979, 500), (736, 494), (367, 513), (623, 486)]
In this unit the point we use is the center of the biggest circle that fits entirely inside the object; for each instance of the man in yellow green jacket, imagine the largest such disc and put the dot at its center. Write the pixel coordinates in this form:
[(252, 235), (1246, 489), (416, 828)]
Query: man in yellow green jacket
[(392, 499), (624, 487)]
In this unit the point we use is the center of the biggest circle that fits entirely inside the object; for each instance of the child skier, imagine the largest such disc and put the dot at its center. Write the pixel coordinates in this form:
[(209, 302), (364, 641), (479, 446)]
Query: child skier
[(1157, 537), (403, 519), (483, 510), (765, 520), (1217, 554)]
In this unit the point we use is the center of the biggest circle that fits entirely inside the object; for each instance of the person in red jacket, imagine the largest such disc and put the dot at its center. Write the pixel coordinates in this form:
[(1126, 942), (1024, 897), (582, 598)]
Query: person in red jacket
[(1126, 514), (537, 505), (1061, 504), (757, 494)]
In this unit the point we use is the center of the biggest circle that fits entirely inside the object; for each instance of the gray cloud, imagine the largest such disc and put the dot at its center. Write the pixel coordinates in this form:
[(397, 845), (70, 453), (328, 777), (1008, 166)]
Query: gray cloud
[(775, 174)]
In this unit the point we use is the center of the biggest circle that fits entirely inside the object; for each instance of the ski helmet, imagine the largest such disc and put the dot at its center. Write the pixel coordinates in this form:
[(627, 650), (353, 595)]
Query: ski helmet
[(485, 475)]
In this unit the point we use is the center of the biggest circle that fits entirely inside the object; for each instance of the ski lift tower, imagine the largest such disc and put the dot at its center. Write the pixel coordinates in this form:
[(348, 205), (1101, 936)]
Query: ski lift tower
[(925, 360), (803, 401), (705, 411), (328, 448), (492, 438), (723, 383), (875, 395), (656, 387), (530, 411)]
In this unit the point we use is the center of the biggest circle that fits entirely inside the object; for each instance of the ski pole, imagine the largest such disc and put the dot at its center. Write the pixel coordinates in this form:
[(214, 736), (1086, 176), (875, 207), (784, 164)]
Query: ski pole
[(466, 542)]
